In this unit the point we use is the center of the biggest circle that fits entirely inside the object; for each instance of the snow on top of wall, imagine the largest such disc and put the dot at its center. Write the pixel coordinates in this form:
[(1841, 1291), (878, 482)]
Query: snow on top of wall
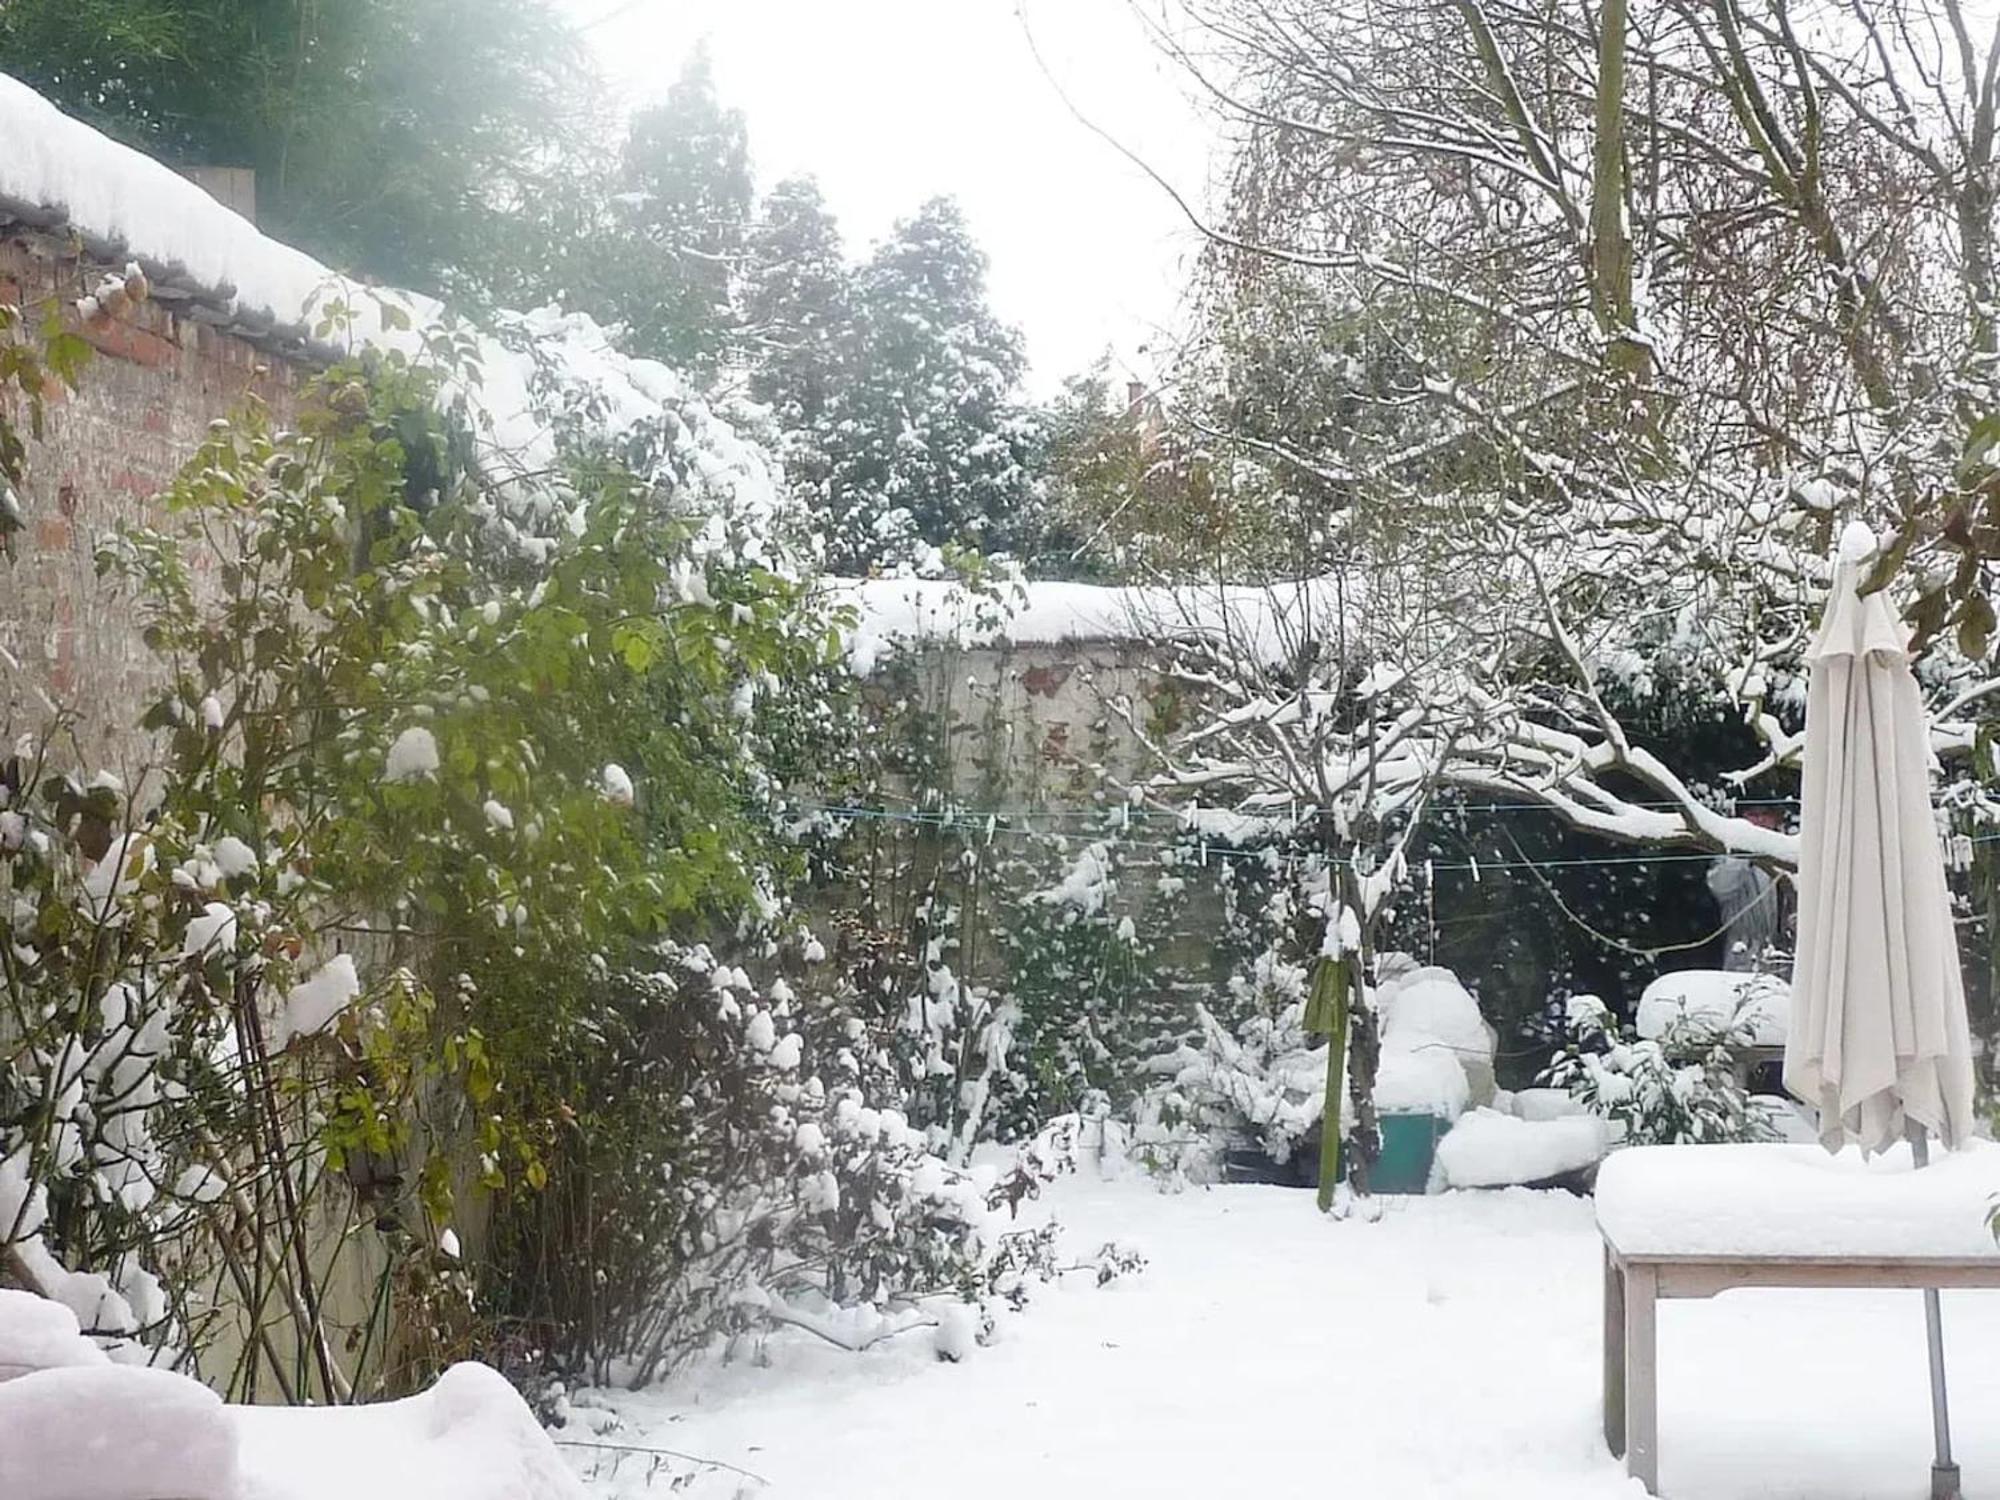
[(1269, 623), (115, 193), (531, 365)]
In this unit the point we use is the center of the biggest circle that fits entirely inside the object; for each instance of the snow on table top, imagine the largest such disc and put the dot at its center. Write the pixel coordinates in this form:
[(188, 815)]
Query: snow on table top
[(1711, 996), (1784, 1201)]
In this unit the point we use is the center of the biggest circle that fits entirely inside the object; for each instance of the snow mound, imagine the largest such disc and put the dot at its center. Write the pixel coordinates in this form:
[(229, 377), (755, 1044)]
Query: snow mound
[(1422, 1082), (1710, 997), (78, 1427), (1547, 1104), (39, 1334), (1428, 1007), (1489, 1149), (414, 756), (469, 1437), (114, 1432), (312, 1006), (1798, 1200), (1437, 1053)]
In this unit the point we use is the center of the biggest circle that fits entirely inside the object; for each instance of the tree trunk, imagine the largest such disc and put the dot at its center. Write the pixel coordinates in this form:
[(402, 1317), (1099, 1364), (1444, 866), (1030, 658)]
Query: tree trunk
[(1364, 1048), (1327, 1012), (1610, 246)]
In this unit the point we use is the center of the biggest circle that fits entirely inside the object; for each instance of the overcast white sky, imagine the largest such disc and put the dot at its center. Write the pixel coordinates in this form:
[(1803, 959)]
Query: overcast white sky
[(888, 102)]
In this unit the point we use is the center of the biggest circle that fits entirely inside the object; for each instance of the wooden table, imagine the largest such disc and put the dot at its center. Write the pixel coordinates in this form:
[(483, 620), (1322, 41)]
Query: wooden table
[(1635, 1284)]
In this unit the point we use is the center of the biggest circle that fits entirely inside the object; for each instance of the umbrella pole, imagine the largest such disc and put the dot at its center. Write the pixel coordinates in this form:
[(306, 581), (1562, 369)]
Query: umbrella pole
[(1944, 1472)]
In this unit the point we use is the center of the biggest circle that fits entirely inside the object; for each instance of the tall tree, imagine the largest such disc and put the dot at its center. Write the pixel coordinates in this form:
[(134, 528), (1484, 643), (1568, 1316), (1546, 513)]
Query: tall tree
[(798, 304), (685, 199), (1126, 494), (927, 444), (410, 140), (1637, 384)]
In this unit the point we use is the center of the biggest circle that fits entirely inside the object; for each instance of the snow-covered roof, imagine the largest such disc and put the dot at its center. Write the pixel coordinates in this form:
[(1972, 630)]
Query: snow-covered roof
[(205, 261)]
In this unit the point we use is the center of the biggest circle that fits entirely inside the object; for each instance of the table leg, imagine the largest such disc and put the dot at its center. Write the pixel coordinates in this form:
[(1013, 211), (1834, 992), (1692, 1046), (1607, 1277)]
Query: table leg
[(1642, 1416), (1614, 1355)]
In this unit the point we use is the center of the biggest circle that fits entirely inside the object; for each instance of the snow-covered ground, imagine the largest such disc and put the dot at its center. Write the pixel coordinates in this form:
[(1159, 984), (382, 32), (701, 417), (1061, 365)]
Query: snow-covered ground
[(1450, 1350)]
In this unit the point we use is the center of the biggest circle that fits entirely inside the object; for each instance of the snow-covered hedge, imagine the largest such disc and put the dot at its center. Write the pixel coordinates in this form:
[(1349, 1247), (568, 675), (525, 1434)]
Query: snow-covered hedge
[(776, 1187)]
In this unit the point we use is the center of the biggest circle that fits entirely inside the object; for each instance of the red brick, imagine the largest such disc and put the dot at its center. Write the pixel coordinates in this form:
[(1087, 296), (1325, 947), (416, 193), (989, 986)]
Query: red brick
[(140, 410), (121, 340)]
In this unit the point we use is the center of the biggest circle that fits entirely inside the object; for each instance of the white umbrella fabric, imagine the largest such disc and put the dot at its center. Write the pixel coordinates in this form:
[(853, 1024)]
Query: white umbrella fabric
[(1878, 1042)]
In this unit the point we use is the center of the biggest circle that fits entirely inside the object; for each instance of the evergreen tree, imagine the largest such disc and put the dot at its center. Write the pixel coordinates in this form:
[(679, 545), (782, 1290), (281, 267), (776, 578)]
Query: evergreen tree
[(926, 445), (1126, 493), (798, 305), (685, 210)]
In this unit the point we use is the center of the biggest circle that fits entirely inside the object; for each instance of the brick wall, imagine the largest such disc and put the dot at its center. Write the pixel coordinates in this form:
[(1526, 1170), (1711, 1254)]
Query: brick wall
[(146, 398)]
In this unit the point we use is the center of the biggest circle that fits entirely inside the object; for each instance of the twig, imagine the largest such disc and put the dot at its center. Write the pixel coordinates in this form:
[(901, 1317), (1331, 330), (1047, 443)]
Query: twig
[(709, 1463)]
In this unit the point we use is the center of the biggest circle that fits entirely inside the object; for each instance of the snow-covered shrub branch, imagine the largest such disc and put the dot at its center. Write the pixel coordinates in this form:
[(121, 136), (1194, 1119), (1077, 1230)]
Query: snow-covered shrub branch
[(36, 354), (780, 1192), (1680, 1088)]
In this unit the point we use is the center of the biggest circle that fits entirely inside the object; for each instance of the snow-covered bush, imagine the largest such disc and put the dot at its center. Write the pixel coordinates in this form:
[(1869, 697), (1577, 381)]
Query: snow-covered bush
[(1262, 1084), (38, 356), (1086, 981), (1018, 966), (1679, 1088), (741, 1176), (431, 756)]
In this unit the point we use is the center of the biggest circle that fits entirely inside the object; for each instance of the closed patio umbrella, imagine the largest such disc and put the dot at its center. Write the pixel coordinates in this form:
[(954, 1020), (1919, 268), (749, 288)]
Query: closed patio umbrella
[(1878, 1042)]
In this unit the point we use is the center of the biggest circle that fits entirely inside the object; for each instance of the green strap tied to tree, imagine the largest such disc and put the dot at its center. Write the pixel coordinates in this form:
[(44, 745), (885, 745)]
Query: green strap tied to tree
[(1326, 1015)]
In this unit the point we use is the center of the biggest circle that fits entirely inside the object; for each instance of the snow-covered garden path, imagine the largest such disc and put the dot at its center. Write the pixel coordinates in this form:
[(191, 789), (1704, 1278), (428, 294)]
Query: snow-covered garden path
[(1450, 1350)]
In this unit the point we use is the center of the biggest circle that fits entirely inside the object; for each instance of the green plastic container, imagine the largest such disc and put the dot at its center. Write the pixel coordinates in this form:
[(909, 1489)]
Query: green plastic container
[(1409, 1144)]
